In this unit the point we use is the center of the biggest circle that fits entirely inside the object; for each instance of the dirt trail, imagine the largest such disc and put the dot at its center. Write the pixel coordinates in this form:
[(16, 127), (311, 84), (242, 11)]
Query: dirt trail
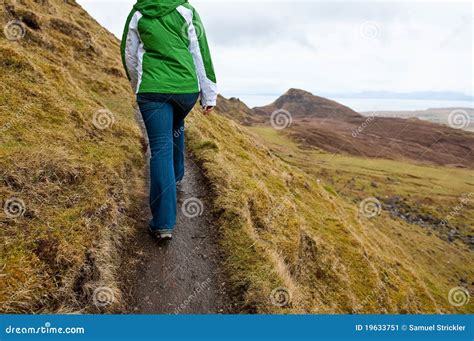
[(182, 276)]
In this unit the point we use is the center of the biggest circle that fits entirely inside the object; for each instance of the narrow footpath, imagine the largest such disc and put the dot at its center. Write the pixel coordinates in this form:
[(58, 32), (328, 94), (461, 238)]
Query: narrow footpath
[(184, 275)]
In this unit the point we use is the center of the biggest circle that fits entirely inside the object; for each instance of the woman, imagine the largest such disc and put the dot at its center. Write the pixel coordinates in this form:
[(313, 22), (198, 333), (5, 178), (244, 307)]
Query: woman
[(167, 60)]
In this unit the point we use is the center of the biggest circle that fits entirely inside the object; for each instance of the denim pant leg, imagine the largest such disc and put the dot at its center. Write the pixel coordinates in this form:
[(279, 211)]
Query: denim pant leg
[(182, 105), (178, 149), (158, 118)]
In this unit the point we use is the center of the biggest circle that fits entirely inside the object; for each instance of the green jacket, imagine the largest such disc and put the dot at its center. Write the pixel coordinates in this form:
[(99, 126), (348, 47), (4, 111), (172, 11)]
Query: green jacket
[(164, 49)]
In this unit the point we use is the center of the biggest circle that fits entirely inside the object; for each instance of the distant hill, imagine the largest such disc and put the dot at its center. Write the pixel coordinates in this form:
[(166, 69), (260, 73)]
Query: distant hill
[(303, 104), (325, 124)]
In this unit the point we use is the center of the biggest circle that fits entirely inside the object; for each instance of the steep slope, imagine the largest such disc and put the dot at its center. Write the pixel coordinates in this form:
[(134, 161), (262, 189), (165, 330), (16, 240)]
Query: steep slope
[(316, 122), (237, 110), (294, 246), (70, 162), (71, 166)]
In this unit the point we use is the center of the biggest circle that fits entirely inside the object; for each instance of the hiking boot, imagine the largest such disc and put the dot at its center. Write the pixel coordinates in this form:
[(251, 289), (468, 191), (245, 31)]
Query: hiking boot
[(161, 234)]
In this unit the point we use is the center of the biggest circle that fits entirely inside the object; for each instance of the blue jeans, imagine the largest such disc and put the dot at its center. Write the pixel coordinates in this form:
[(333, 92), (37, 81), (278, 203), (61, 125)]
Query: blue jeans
[(164, 116)]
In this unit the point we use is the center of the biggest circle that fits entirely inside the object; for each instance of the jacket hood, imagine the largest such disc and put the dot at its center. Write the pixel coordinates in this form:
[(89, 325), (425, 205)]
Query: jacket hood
[(157, 8)]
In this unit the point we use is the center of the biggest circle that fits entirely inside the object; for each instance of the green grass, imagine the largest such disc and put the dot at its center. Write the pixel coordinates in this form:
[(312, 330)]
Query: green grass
[(288, 222), (78, 183), (288, 218), (436, 190)]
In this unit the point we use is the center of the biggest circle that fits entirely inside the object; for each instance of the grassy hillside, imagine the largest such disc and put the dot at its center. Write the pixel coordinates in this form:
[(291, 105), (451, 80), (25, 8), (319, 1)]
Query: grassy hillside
[(70, 158), (294, 245), (294, 240), (436, 198)]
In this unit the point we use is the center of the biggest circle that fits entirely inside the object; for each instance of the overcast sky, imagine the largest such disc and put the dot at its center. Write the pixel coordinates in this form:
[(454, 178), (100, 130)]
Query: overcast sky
[(263, 48)]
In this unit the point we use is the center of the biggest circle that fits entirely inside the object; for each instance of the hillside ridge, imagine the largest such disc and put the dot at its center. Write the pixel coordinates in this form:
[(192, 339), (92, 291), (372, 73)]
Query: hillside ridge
[(317, 122), (302, 103)]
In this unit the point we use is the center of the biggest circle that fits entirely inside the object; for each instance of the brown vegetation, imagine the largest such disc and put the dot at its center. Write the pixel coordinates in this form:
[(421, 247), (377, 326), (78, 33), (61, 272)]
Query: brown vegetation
[(330, 126), (70, 158)]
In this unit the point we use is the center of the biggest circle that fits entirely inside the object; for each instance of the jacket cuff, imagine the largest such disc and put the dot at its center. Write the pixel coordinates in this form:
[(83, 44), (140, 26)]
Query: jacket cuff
[(208, 102)]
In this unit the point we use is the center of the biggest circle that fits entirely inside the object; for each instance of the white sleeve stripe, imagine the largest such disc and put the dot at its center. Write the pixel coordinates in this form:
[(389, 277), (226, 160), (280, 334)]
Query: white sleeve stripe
[(140, 54), (134, 52), (207, 87)]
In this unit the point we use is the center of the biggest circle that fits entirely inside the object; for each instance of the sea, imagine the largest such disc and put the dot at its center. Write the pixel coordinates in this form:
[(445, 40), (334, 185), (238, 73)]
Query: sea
[(372, 104)]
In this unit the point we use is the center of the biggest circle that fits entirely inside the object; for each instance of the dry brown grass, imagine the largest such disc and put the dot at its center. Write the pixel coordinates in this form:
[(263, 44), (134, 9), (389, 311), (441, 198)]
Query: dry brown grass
[(77, 182), (280, 227), (283, 229)]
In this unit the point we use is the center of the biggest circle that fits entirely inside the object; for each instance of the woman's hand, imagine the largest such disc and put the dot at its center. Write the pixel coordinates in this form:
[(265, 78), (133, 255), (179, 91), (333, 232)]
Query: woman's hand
[(207, 110)]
